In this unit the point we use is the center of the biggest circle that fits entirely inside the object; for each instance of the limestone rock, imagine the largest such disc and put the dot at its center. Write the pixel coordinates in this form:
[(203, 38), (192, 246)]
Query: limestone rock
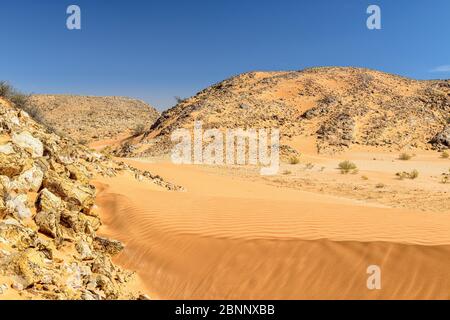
[(33, 268), (6, 149), (48, 201), (84, 249), (111, 247), (13, 164), (29, 143), (48, 223), (79, 195), (29, 180), (17, 205), (15, 234)]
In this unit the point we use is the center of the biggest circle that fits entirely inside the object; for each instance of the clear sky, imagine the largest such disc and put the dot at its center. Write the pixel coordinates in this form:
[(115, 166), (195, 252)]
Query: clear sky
[(154, 50)]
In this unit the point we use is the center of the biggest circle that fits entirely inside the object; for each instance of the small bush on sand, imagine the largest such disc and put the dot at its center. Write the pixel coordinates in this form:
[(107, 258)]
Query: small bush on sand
[(138, 130), (309, 166), (364, 178), (294, 160), (380, 185), (446, 177), (445, 155), (287, 172), (347, 167), (408, 175), (405, 156)]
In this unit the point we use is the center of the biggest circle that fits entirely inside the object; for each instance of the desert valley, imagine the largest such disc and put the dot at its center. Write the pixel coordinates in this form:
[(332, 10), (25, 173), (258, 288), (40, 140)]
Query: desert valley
[(92, 206)]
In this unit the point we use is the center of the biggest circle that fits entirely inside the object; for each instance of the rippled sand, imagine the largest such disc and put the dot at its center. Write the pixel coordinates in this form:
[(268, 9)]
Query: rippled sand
[(230, 238)]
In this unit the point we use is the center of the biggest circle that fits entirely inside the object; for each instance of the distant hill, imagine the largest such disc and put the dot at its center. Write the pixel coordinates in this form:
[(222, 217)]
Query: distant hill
[(335, 107), (88, 119)]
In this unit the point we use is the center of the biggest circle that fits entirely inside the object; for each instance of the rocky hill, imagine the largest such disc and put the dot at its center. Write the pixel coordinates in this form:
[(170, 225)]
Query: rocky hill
[(88, 119), (49, 248), (336, 107)]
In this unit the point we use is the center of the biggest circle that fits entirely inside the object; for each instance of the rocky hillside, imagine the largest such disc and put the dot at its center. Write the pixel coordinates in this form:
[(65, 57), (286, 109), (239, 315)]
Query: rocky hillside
[(88, 119), (49, 248), (336, 107)]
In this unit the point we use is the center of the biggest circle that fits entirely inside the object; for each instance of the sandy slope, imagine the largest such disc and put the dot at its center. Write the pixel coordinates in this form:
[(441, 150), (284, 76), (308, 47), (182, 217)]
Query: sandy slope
[(228, 237)]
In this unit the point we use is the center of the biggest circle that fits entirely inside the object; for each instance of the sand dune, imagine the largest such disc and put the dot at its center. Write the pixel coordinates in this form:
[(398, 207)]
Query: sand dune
[(230, 238)]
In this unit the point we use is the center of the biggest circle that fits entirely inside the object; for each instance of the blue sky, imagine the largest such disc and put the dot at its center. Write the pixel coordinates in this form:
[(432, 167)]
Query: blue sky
[(154, 50)]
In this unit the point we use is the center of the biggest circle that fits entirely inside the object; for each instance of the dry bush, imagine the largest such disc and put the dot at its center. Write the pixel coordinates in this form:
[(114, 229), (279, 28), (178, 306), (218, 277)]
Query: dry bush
[(347, 167), (138, 130), (405, 156), (445, 155), (408, 175), (294, 160)]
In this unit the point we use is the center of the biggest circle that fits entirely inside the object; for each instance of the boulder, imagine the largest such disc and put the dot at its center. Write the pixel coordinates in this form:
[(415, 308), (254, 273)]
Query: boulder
[(76, 173), (6, 148), (79, 196), (84, 249), (48, 223), (29, 180), (72, 220), (32, 267), (442, 139), (48, 201), (29, 143), (17, 205), (111, 247), (16, 235), (13, 164)]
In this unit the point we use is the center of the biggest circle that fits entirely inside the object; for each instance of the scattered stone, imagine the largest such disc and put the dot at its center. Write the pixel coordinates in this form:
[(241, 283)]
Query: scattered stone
[(48, 223), (6, 149), (29, 143), (111, 247), (18, 206)]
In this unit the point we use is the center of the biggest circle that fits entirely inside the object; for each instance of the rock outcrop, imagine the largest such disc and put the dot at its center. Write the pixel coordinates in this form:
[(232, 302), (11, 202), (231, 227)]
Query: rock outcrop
[(49, 248)]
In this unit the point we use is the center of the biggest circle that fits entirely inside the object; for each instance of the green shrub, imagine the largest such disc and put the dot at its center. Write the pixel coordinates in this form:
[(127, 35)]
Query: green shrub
[(405, 156), (408, 175), (138, 130), (294, 160), (445, 155), (347, 166)]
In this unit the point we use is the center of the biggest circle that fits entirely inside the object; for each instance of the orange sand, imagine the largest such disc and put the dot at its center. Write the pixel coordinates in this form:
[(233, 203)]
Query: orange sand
[(230, 238)]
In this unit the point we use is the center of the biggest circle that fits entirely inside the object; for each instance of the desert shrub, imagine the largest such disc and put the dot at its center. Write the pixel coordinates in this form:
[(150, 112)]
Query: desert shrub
[(347, 167), (83, 141), (309, 166), (364, 178), (139, 129), (5, 89), (287, 172), (445, 155), (446, 177), (405, 156), (179, 99), (8, 92), (327, 99), (294, 160), (408, 175), (380, 185)]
